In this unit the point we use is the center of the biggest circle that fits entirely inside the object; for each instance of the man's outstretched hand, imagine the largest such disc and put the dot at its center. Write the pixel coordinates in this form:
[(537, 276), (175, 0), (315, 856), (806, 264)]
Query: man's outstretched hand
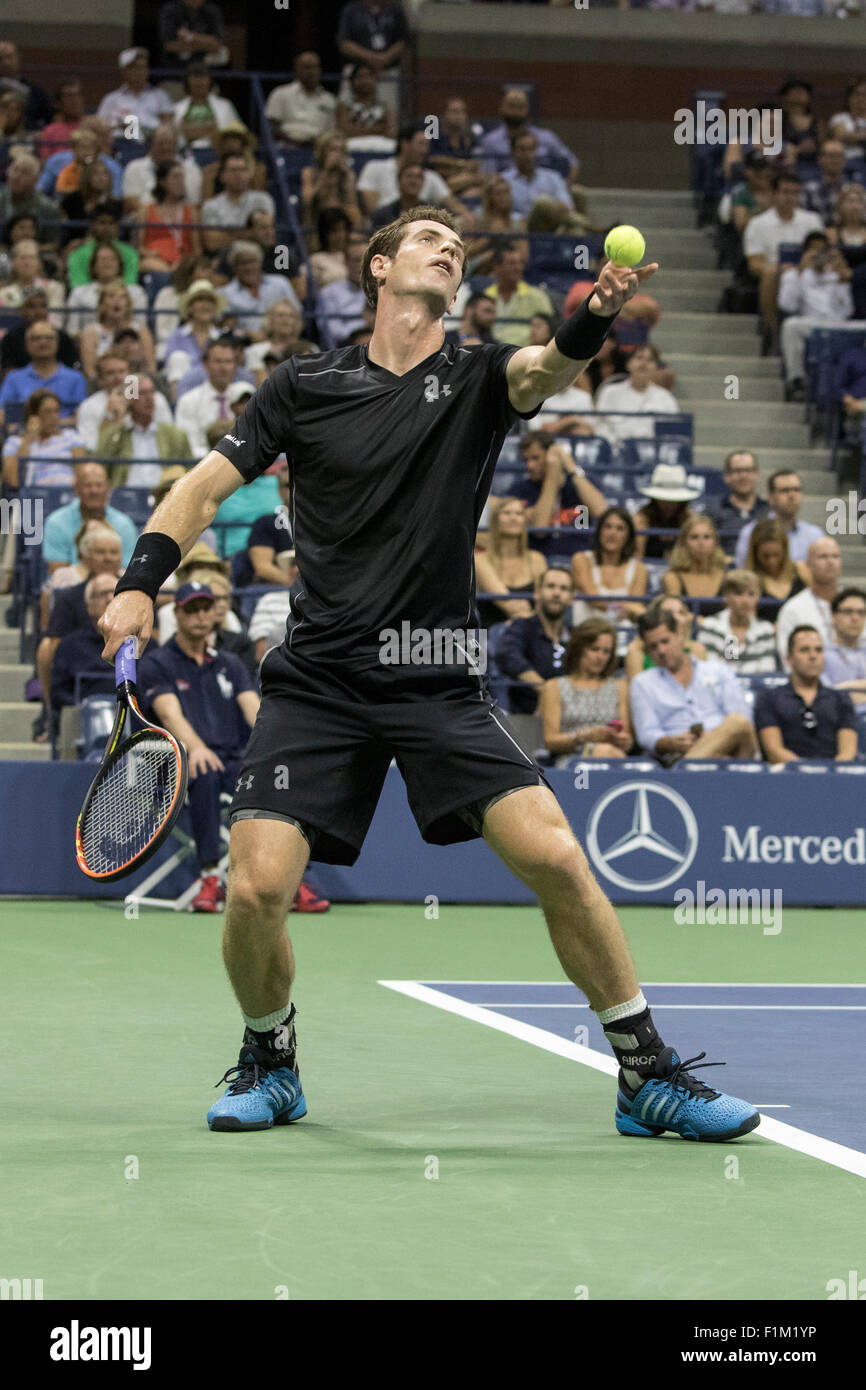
[(616, 285), (129, 614)]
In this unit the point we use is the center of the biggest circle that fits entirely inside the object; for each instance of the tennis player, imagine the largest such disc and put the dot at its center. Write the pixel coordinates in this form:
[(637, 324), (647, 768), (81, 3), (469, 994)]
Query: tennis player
[(392, 448)]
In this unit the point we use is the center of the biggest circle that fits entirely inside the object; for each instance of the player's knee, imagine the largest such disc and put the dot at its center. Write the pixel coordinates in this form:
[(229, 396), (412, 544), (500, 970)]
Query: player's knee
[(258, 889), (558, 858)]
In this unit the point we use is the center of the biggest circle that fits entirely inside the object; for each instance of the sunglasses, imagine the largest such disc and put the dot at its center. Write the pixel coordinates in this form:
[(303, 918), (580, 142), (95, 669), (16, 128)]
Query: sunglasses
[(810, 721)]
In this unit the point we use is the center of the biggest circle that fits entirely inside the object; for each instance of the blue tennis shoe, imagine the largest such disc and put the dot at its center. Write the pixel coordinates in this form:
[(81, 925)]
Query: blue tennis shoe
[(259, 1096), (675, 1100)]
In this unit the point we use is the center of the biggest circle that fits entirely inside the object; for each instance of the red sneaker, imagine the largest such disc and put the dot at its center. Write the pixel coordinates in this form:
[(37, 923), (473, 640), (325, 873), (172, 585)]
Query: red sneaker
[(211, 895), (307, 900)]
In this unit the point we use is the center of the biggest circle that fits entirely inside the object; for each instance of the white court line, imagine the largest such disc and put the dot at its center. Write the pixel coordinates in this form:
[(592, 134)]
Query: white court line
[(839, 1155), (657, 1008), (661, 984)]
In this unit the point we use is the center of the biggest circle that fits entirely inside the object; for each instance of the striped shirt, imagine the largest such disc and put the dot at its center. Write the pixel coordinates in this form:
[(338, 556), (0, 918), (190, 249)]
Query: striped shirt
[(752, 656)]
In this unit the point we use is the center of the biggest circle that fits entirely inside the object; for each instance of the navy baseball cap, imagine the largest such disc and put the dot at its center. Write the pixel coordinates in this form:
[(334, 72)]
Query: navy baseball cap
[(194, 589)]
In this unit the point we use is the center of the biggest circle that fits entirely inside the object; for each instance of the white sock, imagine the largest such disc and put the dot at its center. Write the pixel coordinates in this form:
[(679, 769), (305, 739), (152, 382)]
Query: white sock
[(268, 1021), (633, 1006)]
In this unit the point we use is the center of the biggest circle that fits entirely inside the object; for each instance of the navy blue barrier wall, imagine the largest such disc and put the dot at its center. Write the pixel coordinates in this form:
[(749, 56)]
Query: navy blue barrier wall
[(800, 830)]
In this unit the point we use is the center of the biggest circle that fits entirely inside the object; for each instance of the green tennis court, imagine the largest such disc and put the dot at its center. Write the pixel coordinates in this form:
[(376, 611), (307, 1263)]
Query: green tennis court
[(116, 1031)]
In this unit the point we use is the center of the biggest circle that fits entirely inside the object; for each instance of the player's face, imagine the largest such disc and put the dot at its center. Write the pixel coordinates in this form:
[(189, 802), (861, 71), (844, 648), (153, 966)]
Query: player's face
[(429, 262)]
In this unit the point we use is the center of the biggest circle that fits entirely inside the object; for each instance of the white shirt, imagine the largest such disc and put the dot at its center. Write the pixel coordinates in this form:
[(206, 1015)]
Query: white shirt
[(301, 115), (223, 211), (379, 176), (765, 233), (269, 617), (852, 126), (621, 395), (197, 409), (84, 300), (802, 608), (250, 308), (147, 107), (571, 401), (91, 413), (144, 446), (139, 179), (815, 294), (224, 114)]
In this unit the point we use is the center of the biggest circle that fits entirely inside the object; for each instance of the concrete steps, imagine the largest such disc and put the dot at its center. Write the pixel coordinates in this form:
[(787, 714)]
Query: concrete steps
[(16, 720), (25, 752), (13, 678)]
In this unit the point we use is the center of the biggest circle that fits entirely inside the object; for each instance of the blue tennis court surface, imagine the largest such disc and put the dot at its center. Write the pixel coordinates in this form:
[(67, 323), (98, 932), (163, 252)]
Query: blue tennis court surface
[(790, 1048)]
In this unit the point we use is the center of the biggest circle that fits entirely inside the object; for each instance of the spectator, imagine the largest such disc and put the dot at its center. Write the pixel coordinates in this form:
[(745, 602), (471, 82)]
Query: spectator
[(166, 232), (848, 227), (799, 126), (769, 558), (635, 400), (454, 152), (104, 225), (527, 181), (206, 699), (637, 658), (192, 31), (697, 564), (532, 649), (754, 195), (741, 503), (201, 114), (476, 325), (204, 404), (109, 403), (555, 487), (79, 653), (686, 708), (134, 109), (20, 197), (845, 656), (365, 123), (228, 633), (191, 269), (140, 175), (279, 259), (235, 139), (343, 302), (38, 106), (201, 564), (199, 307), (557, 415), (332, 235), (515, 300), (64, 523), (301, 111), (44, 372), (92, 188), (805, 718), (820, 194), (15, 130), (70, 110), (33, 458), (138, 434), (106, 266), (508, 565), (374, 32), (785, 221), (849, 125), (410, 180), (27, 275), (197, 376), (737, 636), (269, 544), (612, 567), (377, 182), (281, 326), (63, 171), (98, 549), (268, 624), (814, 294), (113, 313), (812, 604), (550, 216), (251, 292), (496, 145), (585, 710), (785, 496), (13, 345), (229, 211), (669, 494)]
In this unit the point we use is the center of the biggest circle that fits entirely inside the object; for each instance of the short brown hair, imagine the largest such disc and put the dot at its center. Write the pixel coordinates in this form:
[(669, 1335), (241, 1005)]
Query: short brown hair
[(386, 242), (582, 637), (741, 582)]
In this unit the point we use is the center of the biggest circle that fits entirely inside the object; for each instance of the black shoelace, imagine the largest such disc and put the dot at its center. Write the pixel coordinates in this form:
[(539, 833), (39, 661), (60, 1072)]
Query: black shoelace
[(689, 1083), (248, 1074)]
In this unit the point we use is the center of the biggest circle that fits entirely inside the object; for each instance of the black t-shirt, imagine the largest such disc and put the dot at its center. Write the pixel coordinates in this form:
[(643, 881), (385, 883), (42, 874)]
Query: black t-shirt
[(389, 478), (272, 530)]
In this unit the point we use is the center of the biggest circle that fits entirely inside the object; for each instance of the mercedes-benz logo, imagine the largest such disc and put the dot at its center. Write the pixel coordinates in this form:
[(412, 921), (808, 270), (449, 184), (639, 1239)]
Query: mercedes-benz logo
[(676, 848)]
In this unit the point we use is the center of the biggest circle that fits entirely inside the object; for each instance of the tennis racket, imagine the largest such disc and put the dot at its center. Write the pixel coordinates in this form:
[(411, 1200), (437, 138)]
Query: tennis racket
[(138, 792)]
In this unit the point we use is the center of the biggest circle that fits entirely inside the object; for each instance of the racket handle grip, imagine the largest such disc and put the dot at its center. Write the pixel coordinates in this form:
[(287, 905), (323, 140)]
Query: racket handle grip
[(124, 661)]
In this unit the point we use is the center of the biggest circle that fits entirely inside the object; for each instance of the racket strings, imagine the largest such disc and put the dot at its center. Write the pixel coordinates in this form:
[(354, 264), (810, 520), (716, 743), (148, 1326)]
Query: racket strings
[(131, 803)]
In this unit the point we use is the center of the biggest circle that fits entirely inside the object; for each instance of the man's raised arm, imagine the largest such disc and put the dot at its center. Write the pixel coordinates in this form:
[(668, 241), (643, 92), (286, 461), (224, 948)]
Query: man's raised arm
[(173, 529), (534, 373)]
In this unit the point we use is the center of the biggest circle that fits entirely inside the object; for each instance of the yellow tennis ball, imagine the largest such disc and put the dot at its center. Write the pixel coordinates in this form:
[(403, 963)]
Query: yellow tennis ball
[(624, 245)]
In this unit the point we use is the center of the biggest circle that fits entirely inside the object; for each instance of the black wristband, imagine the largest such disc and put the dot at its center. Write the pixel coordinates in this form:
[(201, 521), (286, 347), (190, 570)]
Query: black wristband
[(581, 336), (155, 557)]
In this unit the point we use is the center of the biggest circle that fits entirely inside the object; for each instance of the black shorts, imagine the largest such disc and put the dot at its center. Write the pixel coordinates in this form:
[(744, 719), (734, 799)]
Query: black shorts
[(323, 742)]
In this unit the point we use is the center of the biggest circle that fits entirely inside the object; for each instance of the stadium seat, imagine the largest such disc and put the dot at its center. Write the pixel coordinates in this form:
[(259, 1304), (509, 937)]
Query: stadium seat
[(591, 451), (152, 281), (125, 151), (97, 717), (646, 453), (136, 502)]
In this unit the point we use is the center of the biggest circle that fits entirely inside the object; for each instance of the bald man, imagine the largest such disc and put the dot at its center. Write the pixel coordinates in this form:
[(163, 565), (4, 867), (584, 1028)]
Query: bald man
[(812, 606)]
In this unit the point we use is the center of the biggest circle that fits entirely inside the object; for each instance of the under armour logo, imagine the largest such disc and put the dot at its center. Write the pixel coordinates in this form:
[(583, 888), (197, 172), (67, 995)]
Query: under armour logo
[(140, 559), (246, 783), (431, 388)]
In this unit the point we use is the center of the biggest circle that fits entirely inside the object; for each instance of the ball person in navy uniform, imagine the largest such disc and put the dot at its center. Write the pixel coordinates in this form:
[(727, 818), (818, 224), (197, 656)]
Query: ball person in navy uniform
[(392, 448)]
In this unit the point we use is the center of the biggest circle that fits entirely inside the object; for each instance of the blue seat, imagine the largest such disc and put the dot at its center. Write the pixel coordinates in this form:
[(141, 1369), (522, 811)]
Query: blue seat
[(125, 151), (591, 451), (203, 155), (646, 453), (509, 456), (136, 502), (152, 281), (97, 717)]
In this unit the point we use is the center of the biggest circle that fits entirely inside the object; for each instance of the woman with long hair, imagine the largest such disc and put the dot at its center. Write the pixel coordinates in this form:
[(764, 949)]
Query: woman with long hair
[(165, 306), (636, 656), (95, 184), (113, 312), (697, 564), (28, 274), (612, 566), (849, 125), (40, 456), (849, 223), (585, 710), (780, 577), (329, 182), (282, 325), (106, 267), (496, 221), (165, 233), (508, 565), (332, 234)]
